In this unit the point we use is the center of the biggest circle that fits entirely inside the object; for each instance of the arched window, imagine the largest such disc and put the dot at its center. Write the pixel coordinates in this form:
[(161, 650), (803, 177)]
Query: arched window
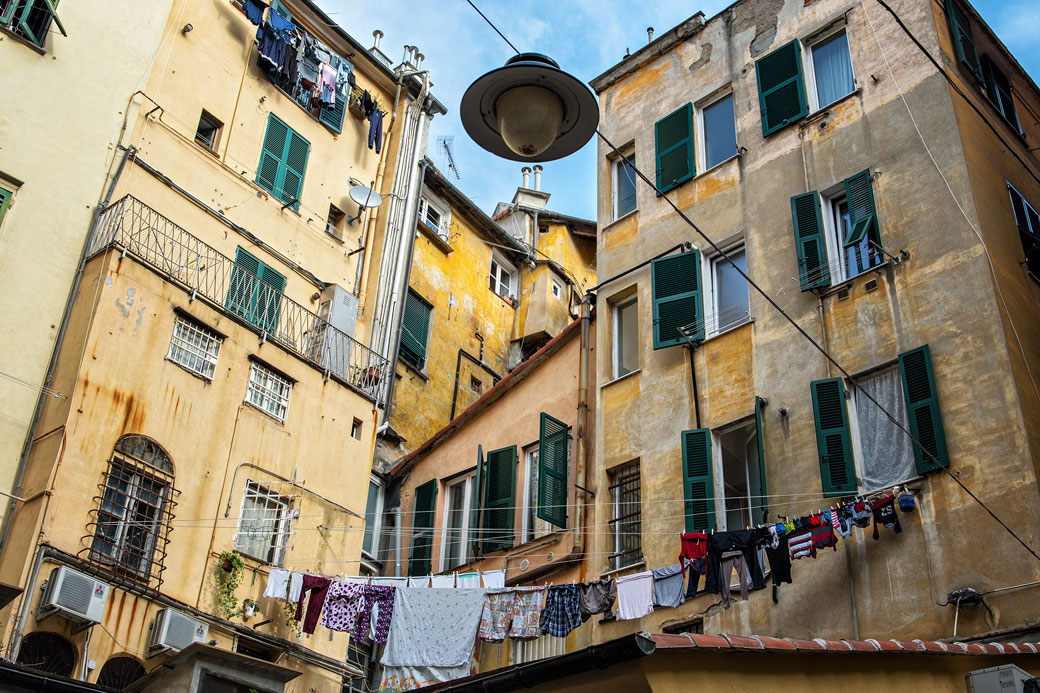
[(119, 672), (133, 512), (47, 652)]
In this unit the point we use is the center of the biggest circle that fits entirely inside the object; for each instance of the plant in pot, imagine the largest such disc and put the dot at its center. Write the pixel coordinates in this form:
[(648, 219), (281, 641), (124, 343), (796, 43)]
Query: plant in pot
[(248, 608), (228, 577)]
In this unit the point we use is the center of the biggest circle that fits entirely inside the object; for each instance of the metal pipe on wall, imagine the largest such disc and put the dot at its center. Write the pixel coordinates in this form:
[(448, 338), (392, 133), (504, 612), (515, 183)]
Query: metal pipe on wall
[(582, 453)]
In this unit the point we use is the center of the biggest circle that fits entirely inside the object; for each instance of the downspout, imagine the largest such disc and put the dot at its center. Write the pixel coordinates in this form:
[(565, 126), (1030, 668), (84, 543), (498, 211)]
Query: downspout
[(23, 608), (56, 351), (693, 379), (397, 541), (83, 670), (582, 455)]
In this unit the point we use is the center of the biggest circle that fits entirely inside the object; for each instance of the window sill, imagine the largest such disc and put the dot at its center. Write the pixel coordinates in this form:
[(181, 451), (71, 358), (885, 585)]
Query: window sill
[(621, 218), (716, 167), (847, 283), (200, 376), (505, 299), (271, 196), (22, 40), (714, 335), (824, 111), (621, 377), (616, 571), (434, 237), (413, 369), (334, 237), (263, 411)]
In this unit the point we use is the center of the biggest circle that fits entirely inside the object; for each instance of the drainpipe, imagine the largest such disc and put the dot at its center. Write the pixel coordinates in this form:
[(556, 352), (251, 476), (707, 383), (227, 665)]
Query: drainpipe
[(693, 379), (582, 455), (23, 608), (83, 670), (397, 541), (56, 351)]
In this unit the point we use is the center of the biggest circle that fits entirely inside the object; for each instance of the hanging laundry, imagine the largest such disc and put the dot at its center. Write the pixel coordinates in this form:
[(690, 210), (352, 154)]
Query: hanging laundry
[(327, 85), (379, 604), (405, 678), (697, 569), (468, 580), (527, 613), (317, 587), (271, 48), (295, 587), (884, 510), (419, 581), (367, 104), (562, 612), (841, 518), (823, 537), (343, 603), (497, 615), (310, 65), (255, 11), (442, 581), (282, 25), (692, 545), (907, 503), (745, 541), (391, 581), (344, 77), (598, 598), (375, 130), (779, 560), (669, 586), (733, 560), (801, 545), (861, 513), (494, 579), (289, 65), (277, 583), (635, 595)]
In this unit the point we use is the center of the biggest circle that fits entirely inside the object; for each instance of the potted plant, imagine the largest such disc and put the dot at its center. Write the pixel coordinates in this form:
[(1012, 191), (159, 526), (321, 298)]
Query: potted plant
[(228, 577), (248, 608)]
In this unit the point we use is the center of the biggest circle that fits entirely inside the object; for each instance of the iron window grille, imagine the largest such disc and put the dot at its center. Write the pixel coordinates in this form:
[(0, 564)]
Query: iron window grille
[(195, 348), (269, 392), (626, 522), (130, 523), (265, 528)]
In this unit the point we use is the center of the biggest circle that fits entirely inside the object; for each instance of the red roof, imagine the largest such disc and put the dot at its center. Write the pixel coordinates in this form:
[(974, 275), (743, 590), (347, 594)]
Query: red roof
[(689, 641)]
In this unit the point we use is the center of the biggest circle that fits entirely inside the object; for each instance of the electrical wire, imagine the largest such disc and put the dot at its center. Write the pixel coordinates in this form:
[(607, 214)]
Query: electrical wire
[(493, 26)]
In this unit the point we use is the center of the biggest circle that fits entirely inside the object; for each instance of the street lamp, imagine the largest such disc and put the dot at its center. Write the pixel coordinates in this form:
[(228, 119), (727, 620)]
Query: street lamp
[(529, 110)]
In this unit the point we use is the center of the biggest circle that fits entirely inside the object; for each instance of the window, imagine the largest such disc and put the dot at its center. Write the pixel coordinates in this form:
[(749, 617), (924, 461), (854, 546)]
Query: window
[(422, 528), (539, 648), (854, 249), (269, 391), (499, 493), (676, 285), (283, 160), (207, 131), (456, 545), (255, 292), (883, 452), (359, 653), (729, 292), (673, 140), (626, 336), (119, 672), (195, 348), (718, 132), (1028, 222), (624, 177), (832, 69), (334, 223), (503, 277), (30, 19), (475, 385), (533, 527), (743, 488), (963, 40), (415, 330), (264, 527), (373, 519), (135, 509), (998, 88), (5, 202), (626, 523), (781, 88), (332, 116), (434, 216), (355, 429), (555, 289)]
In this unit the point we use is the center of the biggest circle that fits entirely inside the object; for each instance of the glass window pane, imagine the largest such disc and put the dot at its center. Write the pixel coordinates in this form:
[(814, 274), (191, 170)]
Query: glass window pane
[(886, 456), (371, 517), (732, 303), (720, 132), (627, 338), (833, 69), (625, 182)]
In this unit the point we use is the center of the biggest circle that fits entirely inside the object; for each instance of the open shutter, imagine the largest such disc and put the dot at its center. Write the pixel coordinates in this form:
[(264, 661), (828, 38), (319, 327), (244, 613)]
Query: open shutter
[(809, 241), (676, 282), (963, 40), (673, 136), (763, 498), (415, 327), (295, 164), (862, 214), (554, 452), (269, 170), (781, 88), (281, 9), (5, 201), (478, 497), (698, 481), (498, 499), (998, 88), (833, 438), (269, 298), (241, 297), (422, 528), (922, 408)]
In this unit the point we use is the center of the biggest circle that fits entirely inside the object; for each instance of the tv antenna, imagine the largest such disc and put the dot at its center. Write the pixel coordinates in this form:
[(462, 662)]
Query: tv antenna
[(446, 145)]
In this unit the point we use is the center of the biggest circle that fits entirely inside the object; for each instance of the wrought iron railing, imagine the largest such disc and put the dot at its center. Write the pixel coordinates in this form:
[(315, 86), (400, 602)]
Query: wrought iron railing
[(204, 271)]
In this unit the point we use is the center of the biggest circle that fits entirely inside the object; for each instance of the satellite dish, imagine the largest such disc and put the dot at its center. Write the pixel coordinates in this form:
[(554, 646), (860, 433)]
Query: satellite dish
[(365, 198)]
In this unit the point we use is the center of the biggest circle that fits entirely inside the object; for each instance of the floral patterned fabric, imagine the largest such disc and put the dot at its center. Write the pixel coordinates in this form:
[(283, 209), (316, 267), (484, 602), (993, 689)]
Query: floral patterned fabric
[(527, 612)]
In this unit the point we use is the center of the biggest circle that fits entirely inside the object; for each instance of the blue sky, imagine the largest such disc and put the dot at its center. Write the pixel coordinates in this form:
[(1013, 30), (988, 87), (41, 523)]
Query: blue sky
[(586, 37)]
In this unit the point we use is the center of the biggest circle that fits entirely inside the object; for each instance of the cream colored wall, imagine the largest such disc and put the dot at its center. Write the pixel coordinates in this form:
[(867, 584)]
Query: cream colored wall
[(55, 164)]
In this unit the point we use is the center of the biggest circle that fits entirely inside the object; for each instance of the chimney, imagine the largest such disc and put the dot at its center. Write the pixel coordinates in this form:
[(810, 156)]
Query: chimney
[(376, 35), (526, 170), (537, 177), (419, 57), (649, 34), (409, 53)]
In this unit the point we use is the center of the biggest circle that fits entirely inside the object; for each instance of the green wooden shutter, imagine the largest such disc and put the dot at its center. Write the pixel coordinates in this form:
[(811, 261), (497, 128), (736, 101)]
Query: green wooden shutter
[(673, 136), (475, 525), (922, 408), (859, 194), (809, 241), (415, 329), (275, 139), (833, 439), (963, 40), (5, 202), (241, 297), (333, 117), (554, 452), (422, 528), (698, 480), (34, 12), (295, 161), (676, 282), (498, 499), (781, 88), (269, 298), (763, 499), (281, 9)]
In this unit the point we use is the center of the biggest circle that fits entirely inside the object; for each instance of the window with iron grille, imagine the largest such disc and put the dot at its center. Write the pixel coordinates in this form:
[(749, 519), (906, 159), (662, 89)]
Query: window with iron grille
[(30, 19), (265, 525), (269, 391), (626, 517), (195, 348), (133, 513)]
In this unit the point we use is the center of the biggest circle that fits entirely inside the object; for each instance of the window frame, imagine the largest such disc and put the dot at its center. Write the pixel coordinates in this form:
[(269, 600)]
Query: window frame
[(468, 481), (812, 88), (281, 525), (428, 202), (5, 201), (711, 292), (277, 187), (750, 426), (425, 342), (617, 165), (701, 130), (615, 310), (205, 357), (252, 386), (504, 267), (830, 201), (375, 529), (531, 527), (852, 409), (1032, 216), (217, 126), (555, 288), (19, 26), (615, 517)]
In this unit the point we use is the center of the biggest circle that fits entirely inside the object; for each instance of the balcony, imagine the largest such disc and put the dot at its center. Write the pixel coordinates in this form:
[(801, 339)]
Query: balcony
[(201, 270)]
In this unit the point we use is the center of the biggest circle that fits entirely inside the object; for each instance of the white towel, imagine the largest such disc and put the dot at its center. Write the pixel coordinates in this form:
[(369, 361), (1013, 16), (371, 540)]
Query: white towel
[(494, 579), (443, 580), (635, 595)]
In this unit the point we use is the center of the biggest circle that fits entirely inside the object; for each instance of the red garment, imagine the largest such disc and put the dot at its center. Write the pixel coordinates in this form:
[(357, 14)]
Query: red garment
[(823, 537), (694, 547), (318, 587)]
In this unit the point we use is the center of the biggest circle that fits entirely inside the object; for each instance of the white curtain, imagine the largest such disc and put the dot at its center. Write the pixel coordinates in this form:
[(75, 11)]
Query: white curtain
[(833, 69), (887, 456)]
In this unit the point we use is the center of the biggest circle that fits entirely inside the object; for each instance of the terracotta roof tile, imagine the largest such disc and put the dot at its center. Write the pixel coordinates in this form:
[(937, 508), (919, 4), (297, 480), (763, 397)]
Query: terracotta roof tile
[(806, 644), (975, 648), (724, 641), (672, 640), (743, 643), (910, 646), (775, 643), (862, 645), (834, 645), (930, 646), (709, 641)]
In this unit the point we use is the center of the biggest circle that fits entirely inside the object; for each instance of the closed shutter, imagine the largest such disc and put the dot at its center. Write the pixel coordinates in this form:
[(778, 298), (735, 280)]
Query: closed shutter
[(810, 243), (498, 499), (415, 328), (698, 480), (422, 528), (269, 298), (673, 136), (332, 116), (554, 452), (676, 282), (478, 492), (833, 439), (267, 173), (283, 160), (763, 498), (781, 88), (295, 164), (922, 408), (281, 9), (963, 40), (241, 297), (862, 214)]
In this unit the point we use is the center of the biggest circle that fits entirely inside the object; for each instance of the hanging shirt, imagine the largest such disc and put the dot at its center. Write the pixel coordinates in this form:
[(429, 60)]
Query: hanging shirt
[(598, 598), (277, 583), (527, 612), (562, 612), (669, 586), (744, 540), (254, 11), (692, 545), (434, 627), (295, 586), (343, 604), (327, 84), (884, 510), (780, 560), (497, 615), (419, 581), (635, 595), (801, 545), (823, 538), (468, 580)]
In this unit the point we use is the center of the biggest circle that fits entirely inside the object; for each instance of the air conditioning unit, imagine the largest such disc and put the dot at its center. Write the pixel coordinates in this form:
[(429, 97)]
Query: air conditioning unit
[(331, 348), (173, 630), (1006, 678), (74, 596)]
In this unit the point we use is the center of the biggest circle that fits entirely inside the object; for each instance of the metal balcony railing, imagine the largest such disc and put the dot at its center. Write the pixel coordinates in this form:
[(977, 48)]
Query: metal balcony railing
[(201, 269)]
